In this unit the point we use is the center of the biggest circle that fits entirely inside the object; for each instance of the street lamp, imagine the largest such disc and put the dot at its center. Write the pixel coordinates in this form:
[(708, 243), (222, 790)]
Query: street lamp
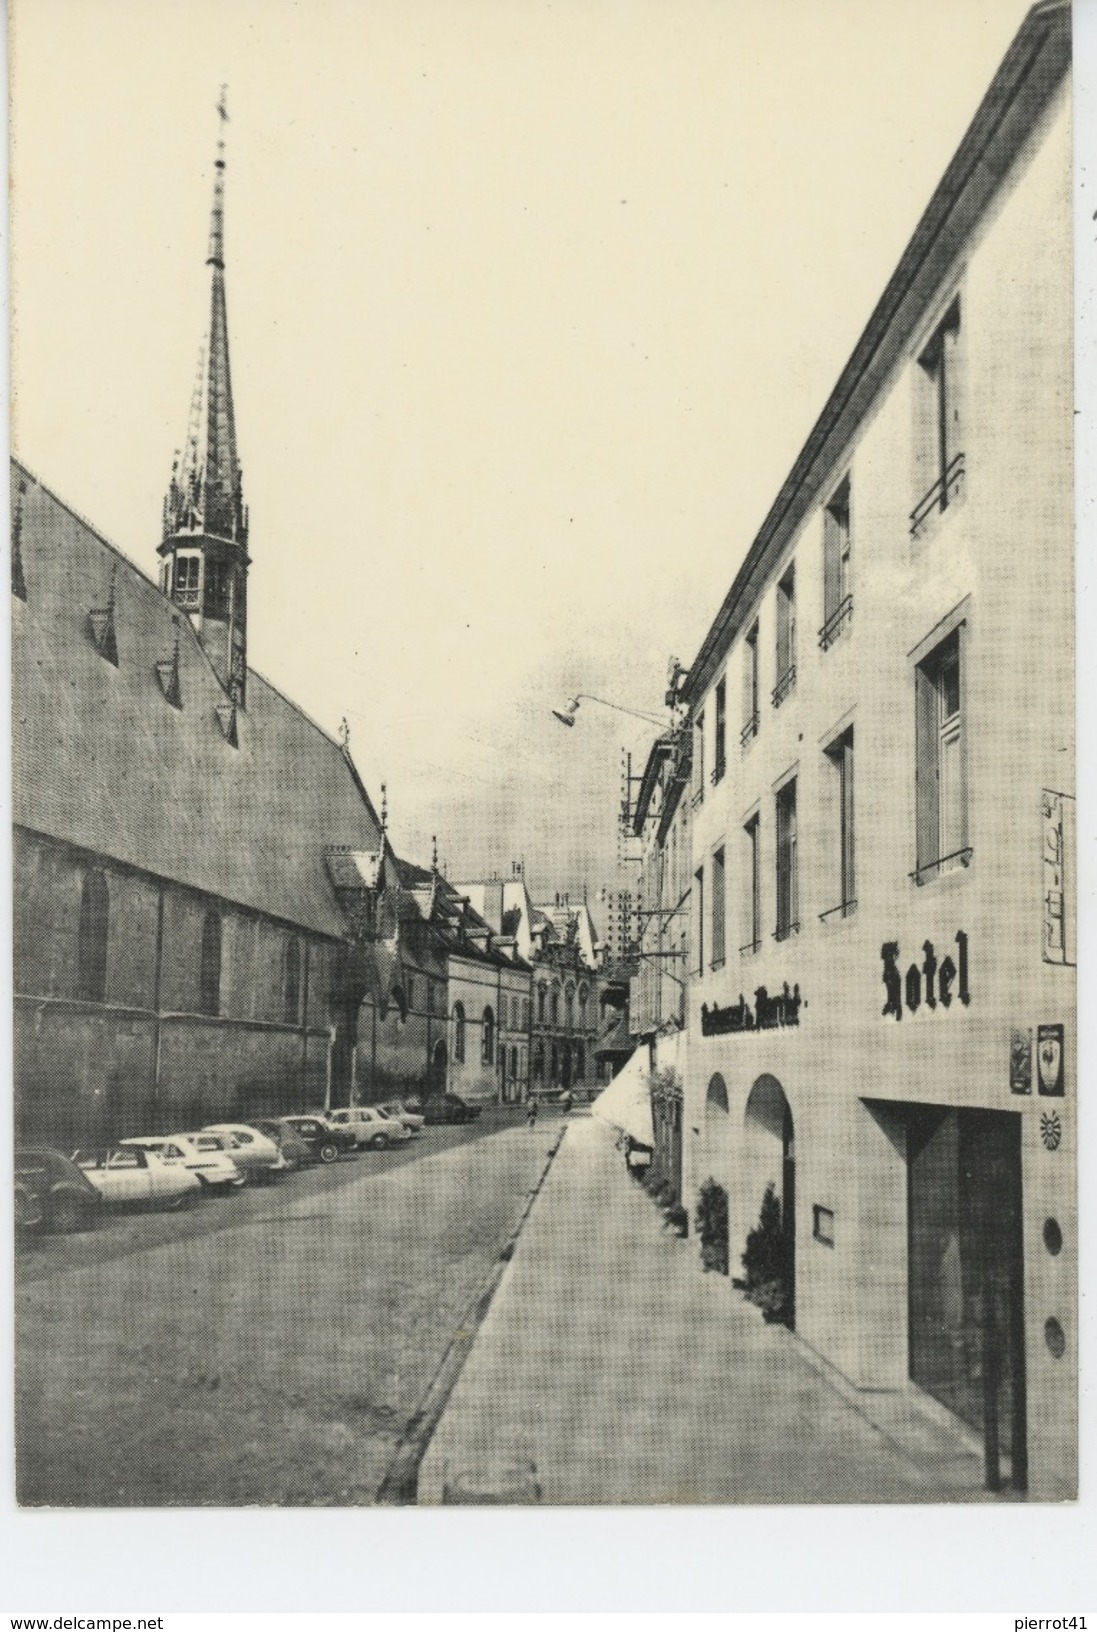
[(567, 716)]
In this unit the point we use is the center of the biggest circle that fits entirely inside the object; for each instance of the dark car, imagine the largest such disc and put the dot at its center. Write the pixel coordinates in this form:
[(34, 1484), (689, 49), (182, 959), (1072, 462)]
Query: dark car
[(449, 1108), (51, 1193), (295, 1152), (327, 1143)]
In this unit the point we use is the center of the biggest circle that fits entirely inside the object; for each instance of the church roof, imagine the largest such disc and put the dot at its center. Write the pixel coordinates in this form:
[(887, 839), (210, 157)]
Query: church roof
[(101, 758)]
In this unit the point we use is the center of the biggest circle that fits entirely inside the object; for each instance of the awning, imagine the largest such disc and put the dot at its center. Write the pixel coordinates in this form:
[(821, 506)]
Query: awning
[(626, 1103)]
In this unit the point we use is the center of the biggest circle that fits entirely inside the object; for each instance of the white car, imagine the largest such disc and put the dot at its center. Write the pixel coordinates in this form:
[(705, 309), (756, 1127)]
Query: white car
[(370, 1126), (398, 1111), (254, 1154), (200, 1153), (123, 1174)]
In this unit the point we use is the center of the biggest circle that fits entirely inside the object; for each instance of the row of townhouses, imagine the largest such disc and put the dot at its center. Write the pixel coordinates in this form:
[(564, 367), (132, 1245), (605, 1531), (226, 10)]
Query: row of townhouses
[(856, 910)]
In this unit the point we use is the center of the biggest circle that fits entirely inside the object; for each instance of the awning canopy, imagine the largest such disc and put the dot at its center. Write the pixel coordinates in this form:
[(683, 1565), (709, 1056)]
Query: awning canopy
[(626, 1103)]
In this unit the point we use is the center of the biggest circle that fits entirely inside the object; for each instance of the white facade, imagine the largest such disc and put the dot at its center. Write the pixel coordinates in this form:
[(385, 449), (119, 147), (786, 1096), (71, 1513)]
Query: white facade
[(914, 698)]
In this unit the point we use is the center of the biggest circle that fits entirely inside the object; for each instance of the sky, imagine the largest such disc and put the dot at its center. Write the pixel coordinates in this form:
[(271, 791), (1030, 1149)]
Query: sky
[(532, 304)]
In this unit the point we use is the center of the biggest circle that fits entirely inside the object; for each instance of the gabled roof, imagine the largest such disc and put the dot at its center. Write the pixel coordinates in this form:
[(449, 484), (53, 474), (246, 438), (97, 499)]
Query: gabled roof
[(102, 760)]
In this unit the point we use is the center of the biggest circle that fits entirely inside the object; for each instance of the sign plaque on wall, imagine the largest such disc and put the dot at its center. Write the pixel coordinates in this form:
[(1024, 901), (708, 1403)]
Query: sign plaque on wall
[(1020, 1060), (1059, 938), (1049, 1060)]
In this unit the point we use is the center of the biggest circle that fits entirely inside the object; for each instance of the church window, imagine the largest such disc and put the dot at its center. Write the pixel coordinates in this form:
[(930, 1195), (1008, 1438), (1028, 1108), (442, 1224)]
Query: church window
[(541, 996), (459, 1032), (569, 1007), (187, 570), (583, 999), (554, 1006), (209, 979), (291, 982), (93, 936)]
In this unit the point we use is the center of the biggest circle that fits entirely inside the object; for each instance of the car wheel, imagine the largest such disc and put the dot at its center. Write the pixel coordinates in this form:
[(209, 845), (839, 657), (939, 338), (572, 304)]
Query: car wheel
[(68, 1214), (380, 1141), (328, 1153), (175, 1204), (28, 1209)]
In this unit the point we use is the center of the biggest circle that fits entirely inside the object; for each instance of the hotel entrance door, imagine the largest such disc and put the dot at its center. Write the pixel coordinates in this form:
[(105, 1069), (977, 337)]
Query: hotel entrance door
[(965, 1275)]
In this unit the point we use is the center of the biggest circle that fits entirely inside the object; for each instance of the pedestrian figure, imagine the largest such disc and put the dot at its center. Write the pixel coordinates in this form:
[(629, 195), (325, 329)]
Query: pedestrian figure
[(566, 1101), (531, 1113)]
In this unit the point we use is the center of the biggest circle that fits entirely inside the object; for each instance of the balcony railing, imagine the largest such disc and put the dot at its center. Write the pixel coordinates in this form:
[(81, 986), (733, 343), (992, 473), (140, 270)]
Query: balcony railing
[(749, 731), (697, 796), (932, 869), (940, 495), (784, 685), (750, 948), (717, 772), (784, 932), (846, 908), (838, 620), (187, 598)]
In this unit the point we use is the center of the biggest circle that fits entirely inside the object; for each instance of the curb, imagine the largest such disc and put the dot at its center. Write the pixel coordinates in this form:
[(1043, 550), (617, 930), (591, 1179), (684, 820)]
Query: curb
[(399, 1487)]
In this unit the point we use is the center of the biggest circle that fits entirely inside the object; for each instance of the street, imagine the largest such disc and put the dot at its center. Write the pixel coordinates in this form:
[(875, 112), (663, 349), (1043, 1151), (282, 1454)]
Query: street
[(267, 1347)]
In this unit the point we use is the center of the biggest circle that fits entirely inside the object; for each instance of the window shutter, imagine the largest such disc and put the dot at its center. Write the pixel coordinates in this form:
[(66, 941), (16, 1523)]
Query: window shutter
[(926, 795)]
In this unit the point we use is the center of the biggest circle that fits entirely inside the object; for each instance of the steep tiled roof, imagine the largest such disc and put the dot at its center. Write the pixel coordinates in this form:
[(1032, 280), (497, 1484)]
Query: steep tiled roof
[(102, 760)]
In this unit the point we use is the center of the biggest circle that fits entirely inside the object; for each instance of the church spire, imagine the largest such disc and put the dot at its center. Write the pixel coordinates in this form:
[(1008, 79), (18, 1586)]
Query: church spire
[(205, 535)]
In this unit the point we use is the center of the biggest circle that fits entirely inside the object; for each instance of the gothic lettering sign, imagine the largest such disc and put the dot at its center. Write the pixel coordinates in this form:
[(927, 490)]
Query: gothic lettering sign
[(768, 1013), (1049, 1060), (933, 982)]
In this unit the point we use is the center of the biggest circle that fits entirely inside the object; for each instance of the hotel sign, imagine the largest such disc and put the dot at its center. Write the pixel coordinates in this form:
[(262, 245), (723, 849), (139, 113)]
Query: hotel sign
[(1057, 810), (933, 982), (768, 1013)]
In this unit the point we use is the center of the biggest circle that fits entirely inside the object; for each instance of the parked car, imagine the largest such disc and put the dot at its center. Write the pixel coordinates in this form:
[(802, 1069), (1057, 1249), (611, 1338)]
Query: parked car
[(123, 1174), (324, 1138), (201, 1153), (296, 1153), (254, 1154), (401, 1112), (51, 1193), (371, 1127), (449, 1108)]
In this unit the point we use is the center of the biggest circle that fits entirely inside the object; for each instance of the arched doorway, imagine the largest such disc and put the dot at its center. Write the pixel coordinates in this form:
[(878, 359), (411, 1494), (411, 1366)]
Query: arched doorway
[(770, 1151)]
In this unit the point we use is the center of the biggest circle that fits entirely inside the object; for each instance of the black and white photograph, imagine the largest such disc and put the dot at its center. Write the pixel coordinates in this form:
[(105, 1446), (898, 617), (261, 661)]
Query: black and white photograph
[(543, 765)]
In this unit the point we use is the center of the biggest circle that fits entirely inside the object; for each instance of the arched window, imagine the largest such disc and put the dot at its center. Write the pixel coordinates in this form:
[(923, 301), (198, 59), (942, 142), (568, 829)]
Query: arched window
[(209, 978), (539, 1059), (458, 1032), (525, 1013), (584, 995), (554, 1006), (569, 1007), (554, 1065), (514, 1065), (291, 982), (91, 951), (487, 1038), (541, 993), (580, 1062)]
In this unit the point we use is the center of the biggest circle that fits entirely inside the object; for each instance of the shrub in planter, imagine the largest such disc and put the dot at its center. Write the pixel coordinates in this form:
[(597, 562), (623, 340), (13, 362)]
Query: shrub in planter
[(765, 1280), (711, 1224)]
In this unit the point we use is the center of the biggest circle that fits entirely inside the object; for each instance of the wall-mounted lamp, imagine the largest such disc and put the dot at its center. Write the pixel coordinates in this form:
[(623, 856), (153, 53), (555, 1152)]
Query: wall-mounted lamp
[(567, 716)]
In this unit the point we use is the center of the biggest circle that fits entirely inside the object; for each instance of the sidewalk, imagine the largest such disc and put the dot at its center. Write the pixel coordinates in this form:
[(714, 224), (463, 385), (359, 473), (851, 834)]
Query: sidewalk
[(610, 1362)]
